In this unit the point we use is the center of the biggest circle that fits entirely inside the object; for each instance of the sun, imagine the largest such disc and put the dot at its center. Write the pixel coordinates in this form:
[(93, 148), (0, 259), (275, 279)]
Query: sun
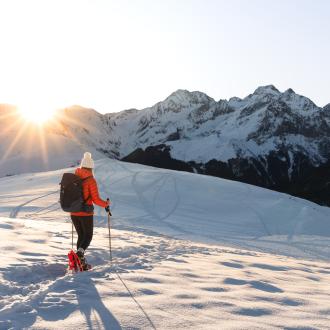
[(36, 114)]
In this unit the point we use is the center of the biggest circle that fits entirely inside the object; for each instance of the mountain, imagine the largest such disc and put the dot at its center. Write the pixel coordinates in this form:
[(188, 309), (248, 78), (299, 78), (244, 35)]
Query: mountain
[(199, 129), (189, 252), (278, 140), (271, 139), (26, 147)]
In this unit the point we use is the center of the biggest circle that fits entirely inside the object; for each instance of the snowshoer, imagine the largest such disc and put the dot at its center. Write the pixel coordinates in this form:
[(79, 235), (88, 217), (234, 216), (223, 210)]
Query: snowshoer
[(83, 221)]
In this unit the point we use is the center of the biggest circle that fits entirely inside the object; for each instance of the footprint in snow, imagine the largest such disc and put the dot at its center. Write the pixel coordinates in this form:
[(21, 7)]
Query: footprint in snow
[(148, 292), (33, 274), (234, 281), (232, 264), (254, 284), (214, 289), (55, 310), (265, 286), (186, 296), (282, 301), (144, 280), (255, 312), (38, 241), (177, 260), (313, 278), (119, 294), (270, 267), (290, 302), (190, 275)]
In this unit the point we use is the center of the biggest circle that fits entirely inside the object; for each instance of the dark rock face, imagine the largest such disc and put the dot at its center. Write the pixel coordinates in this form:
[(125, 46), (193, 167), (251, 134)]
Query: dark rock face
[(157, 156), (277, 171)]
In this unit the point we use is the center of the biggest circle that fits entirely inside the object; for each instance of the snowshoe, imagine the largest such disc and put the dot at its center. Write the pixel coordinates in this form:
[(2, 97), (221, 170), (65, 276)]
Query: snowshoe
[(77, 262), (74, 262)]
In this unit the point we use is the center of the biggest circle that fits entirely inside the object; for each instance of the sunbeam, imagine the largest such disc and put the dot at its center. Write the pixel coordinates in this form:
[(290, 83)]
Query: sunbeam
[(17, 138), (43, 145)]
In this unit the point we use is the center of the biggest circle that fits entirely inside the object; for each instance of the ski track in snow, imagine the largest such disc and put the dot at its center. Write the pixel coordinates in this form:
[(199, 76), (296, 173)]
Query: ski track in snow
[(15, 211), (158, 281)]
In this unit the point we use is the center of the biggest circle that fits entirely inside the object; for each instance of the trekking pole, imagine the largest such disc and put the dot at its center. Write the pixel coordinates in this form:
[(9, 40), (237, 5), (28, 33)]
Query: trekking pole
[(109, 215), (72, 236)]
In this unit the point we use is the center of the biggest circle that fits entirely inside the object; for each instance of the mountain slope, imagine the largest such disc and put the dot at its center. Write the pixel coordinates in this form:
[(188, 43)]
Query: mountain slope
[(184, 205), (26, 147), (246, 278)]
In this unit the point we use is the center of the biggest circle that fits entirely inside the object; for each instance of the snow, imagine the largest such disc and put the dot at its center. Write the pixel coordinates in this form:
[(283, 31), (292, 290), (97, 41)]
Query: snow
[(189, 252)]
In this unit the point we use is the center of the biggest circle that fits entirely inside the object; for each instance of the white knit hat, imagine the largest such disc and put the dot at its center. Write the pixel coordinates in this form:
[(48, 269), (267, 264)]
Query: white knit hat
[(87, 161)]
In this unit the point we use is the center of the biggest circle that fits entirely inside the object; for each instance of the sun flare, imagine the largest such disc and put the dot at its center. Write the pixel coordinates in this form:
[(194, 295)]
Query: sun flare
[(36, 114)]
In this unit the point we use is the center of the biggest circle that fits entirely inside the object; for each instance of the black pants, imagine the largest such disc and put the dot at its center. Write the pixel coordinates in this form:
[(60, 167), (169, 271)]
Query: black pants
[(84, 229)]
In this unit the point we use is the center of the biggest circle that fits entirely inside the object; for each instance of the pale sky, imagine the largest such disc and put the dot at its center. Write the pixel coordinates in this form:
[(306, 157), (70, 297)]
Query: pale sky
[(115, 55)]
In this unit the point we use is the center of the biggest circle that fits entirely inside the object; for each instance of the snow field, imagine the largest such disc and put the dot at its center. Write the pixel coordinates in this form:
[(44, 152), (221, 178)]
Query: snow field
[(178, 284), (189, 252), (183, 205)]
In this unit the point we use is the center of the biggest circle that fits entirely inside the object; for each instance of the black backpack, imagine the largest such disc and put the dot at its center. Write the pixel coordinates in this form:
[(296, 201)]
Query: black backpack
[(71, 194)]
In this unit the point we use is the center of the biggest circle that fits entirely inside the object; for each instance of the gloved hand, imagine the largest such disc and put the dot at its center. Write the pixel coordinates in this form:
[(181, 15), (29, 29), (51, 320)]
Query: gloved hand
[(107, 208)]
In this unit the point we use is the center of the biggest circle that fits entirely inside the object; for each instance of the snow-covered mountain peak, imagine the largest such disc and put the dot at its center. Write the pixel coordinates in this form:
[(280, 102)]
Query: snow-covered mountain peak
[(180, 94), (289, 91), (185, 98), (270, 95), (181, 101), (268, 89), (297, 102), (235, 99), (260, 96)]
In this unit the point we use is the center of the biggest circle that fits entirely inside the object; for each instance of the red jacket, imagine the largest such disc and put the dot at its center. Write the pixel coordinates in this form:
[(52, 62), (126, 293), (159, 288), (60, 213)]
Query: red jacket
[(90, 191)]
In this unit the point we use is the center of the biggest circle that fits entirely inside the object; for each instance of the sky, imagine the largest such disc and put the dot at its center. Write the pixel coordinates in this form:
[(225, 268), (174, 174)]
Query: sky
[(115, 55)]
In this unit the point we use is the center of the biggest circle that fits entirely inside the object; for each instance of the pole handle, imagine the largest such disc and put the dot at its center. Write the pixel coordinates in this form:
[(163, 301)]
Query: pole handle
[(108, 208)]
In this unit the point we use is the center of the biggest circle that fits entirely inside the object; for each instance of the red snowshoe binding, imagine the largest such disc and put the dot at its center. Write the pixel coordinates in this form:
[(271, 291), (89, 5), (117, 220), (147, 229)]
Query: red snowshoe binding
[(77, 264), (74, 262)]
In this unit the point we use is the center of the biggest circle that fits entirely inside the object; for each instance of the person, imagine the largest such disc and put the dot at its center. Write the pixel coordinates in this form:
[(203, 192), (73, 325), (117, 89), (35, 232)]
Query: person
[(83, 221)]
